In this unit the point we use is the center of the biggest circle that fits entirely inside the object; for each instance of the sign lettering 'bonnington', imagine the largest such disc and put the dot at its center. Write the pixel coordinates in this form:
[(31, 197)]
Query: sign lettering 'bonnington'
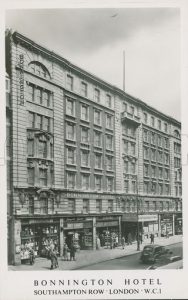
[(21, 63)]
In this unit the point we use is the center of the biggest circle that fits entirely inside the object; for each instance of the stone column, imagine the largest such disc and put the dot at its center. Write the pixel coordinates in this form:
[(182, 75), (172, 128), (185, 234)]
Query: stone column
[(94, 233), (173, 224), (17, 242), (159, 224), (61, 236), (119, 225)]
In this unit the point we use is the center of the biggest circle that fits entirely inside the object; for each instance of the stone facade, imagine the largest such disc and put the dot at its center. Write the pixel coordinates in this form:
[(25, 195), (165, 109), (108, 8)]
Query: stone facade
[(78, 156)]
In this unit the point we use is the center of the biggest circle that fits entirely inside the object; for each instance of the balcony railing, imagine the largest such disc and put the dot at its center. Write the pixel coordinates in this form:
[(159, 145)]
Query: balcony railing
[(126, 116)]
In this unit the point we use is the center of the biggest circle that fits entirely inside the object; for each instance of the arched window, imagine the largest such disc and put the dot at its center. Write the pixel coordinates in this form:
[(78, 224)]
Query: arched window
[(39, 69), (177, 134)]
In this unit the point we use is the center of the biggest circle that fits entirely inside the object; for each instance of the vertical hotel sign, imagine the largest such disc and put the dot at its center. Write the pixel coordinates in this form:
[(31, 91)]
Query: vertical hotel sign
[(21, 81)]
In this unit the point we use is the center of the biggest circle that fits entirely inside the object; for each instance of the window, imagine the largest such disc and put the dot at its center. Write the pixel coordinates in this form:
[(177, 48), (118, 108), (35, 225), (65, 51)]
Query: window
[(84, 135), (146, 187), (152, 121), (153, 154), (84, 112), (131, 110), (46, 124), (39, 121), (69, 82), (147, 205), (132, 148), (153, 171), (146, 153), (97, 138), (70, 155), (126, 186), (160, 157), (165, 127), (109, 163), (160, 173), (153, 138), (177, 162), (30, 176), (153, 188), (161, 206), (132, 167), (43, 177), (109, 142), (70, 107), (85, 181), (42, 149), (71, 205), (98, 205), (108, 101), (125, 146), (146, 136), (71, 183), (85, 206), (84, 89), (38, 95), (31, 120), (70, 130), (166, 142), (145, 118), (84, 158), (127, 206), (109, 121), (97, 117), (97, 95), (124, 106), (134, 186), (159, 124), (43, 205), (146, 170), (166, 158), (30, 147), (110, 205), (160, 189), (31, 205), (51, 175), (126, 166), (166, 174), (39, 69), (46, 98), (51, 150), (167, 189), (110, 182), (98, 160), (98, 182), (159, 141), (30, 92)]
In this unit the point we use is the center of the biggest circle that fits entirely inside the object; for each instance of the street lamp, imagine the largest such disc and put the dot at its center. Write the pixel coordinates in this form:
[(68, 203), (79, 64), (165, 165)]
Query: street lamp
[(137, 213)]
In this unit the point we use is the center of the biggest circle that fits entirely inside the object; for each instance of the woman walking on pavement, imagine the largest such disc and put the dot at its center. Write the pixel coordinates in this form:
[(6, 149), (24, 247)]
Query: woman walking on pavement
[(123, 242), (72, 252), (65, 252)]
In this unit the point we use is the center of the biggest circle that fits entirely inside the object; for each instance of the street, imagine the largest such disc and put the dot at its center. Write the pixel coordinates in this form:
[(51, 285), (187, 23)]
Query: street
[(130, 262)]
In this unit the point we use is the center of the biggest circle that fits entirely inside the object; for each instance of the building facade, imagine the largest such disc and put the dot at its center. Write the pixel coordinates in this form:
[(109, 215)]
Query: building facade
[(87, 159)]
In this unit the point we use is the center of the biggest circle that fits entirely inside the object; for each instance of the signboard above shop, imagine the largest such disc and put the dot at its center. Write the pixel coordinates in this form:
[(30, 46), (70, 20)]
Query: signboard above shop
[(140, 218)]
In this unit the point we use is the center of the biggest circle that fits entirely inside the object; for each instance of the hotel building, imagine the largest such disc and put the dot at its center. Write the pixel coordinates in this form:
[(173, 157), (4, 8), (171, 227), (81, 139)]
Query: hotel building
[(85, 159)]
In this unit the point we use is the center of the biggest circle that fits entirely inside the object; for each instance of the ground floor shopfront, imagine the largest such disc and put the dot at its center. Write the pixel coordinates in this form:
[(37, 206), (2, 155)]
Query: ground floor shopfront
[(83, 231), (160, 224)]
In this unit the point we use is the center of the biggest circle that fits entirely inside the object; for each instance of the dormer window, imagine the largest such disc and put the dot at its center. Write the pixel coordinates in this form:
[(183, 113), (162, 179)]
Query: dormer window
[(39, 69)]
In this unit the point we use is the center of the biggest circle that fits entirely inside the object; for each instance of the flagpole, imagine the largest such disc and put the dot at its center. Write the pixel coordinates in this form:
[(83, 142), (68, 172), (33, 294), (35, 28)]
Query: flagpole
[(124, 70)]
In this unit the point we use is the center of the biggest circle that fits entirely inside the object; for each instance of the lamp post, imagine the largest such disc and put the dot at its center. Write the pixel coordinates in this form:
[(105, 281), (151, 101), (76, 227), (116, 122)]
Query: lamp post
[(137, 213)]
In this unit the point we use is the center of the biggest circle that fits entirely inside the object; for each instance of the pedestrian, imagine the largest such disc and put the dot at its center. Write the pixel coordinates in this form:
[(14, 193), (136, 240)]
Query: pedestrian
[(129, 239), (111, 242), (152, 238), (140, 238), (123, 242), (98, 243), (167, 235), (53, 258), (65, 252), (72, 252), (117, 241)]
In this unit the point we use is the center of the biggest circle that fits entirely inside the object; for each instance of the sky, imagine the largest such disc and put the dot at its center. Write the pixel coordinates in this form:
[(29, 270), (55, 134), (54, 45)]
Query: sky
[(94, 39)]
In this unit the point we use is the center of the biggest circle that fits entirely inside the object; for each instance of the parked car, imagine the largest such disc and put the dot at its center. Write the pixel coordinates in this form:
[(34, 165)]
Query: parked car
[(152, 253)]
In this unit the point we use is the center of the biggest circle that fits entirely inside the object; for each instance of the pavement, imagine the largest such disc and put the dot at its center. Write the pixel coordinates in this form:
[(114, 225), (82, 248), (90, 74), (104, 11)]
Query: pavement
[(90, 257)]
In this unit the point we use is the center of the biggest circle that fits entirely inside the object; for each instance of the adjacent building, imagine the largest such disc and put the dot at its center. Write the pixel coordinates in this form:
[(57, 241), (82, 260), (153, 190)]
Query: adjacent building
[(85, 159)]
